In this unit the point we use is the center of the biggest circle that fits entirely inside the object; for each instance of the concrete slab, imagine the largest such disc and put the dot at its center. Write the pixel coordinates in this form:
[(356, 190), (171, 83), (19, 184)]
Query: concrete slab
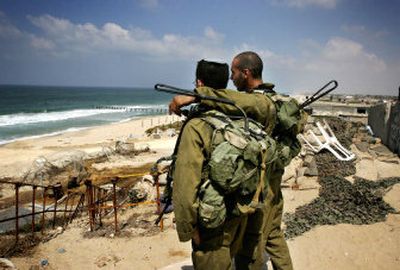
[(392, 197)]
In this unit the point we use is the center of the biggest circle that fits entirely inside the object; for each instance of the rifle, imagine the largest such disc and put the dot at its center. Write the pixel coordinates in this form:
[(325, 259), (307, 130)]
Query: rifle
[(317, 95), (179, 91)]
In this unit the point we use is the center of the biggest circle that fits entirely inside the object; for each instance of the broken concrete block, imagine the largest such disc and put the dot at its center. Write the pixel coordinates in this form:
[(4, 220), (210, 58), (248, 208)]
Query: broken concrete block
[(381, 150), (301, 171), (366, 169), (392, 197), (311, 171), (156, 136), (308, 160), (362, 146)]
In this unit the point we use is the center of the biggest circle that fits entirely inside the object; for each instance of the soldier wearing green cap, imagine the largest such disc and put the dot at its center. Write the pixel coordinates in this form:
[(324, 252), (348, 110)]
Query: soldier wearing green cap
[(213, 246), (246, 74)]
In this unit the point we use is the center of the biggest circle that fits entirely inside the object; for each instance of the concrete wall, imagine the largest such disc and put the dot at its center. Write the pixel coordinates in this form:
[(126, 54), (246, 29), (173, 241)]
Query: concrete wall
[(384, 120), (394, 129)]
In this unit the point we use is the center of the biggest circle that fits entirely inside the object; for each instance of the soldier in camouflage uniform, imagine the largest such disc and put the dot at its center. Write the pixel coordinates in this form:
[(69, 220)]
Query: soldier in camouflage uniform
[(212, 248), (246, 71)]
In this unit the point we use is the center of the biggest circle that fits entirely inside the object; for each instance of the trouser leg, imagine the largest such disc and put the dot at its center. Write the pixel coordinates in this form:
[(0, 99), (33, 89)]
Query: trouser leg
[(276, 245), (252, 247), (217, 247)]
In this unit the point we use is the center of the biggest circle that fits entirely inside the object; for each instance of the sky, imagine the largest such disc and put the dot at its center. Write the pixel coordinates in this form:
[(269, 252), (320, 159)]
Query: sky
[(138, 43)]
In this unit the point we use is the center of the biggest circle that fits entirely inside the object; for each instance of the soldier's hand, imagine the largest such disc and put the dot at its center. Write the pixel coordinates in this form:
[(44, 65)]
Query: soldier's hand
[(178, 102), (196, 237)]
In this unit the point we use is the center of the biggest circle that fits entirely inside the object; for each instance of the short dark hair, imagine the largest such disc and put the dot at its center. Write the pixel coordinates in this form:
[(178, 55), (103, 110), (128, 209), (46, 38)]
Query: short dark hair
[(251, 61), (213, 74)]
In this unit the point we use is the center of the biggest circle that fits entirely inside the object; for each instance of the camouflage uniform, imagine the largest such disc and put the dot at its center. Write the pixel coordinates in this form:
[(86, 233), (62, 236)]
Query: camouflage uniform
[(217, 246), (261, 107)]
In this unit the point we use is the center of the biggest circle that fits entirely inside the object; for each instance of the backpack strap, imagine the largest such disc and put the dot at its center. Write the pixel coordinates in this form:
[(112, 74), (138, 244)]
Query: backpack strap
[(255, 202)]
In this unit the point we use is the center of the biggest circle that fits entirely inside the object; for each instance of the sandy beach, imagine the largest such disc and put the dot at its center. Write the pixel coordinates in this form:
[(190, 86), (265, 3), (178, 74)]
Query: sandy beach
[(342, 246)]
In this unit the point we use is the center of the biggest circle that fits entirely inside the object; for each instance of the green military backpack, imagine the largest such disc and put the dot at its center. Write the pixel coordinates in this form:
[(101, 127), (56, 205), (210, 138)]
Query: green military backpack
[(290, 121), (237, 168)]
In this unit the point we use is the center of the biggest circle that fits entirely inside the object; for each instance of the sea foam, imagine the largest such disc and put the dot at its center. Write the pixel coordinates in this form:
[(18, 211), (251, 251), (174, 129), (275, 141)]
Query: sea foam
[(30, 118)]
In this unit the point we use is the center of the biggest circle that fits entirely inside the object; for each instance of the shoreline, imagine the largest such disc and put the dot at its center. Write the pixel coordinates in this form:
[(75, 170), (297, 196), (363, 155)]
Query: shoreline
[(77, 129), (18, 155)]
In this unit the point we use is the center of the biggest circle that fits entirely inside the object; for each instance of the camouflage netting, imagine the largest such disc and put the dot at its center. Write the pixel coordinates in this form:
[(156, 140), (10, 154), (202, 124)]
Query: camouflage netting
[(340, 201), (328, 164)]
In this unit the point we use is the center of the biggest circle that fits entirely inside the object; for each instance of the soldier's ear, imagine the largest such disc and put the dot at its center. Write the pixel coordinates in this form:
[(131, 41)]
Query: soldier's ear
[(246, 72), (199, 83)]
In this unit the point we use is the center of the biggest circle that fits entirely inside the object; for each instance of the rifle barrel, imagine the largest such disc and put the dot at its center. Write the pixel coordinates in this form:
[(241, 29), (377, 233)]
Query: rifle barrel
[(179, 91), (317, 95)]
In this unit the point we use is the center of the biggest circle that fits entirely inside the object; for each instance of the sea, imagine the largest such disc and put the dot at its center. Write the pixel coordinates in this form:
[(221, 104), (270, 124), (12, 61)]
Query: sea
[(38, 111)]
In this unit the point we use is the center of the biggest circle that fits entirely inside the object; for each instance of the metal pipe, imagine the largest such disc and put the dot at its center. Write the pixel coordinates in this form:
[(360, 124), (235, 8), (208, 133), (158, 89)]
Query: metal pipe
[(114, 182), (158, 200), (66, 207), (100, 204), (89, 193), (17, 185), (44, 208), (55, 194), (33, 208), (72, 206)]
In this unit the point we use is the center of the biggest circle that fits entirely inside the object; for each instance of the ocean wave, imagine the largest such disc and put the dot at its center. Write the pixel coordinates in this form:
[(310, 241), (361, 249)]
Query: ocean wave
[(32, 118), (2, 142)]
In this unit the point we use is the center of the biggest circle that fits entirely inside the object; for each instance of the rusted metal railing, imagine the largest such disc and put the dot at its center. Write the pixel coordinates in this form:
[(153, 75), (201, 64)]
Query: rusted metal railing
[(57, 188), (95, 197)]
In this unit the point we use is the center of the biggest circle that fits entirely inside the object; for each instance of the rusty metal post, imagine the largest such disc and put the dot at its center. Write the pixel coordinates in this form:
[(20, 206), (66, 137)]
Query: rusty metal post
[(17, 185), (158, 200), (72, 206), (100, 205), (33, 208), (44, 208), (55, 194), (89, 193), (114, 182), (66, 207)]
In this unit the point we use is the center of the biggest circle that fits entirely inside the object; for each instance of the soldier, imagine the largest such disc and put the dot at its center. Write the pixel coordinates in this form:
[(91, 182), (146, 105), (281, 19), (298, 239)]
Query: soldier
[(246, 74), (212, 247)]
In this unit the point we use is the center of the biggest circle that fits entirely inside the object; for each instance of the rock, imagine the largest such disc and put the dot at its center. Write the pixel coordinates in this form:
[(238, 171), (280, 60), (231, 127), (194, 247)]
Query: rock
[(6, 264), (163, 166), (366, 169), (311, 171), (44, 262), (301, 171), (156, 136), (141, 191), (171, 132), (125, 147), (162, 179), (61, 250), (381, 150), (311, 166), (392, 197), (149, 178), (362, 146), (308, 160), (389, 160)]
